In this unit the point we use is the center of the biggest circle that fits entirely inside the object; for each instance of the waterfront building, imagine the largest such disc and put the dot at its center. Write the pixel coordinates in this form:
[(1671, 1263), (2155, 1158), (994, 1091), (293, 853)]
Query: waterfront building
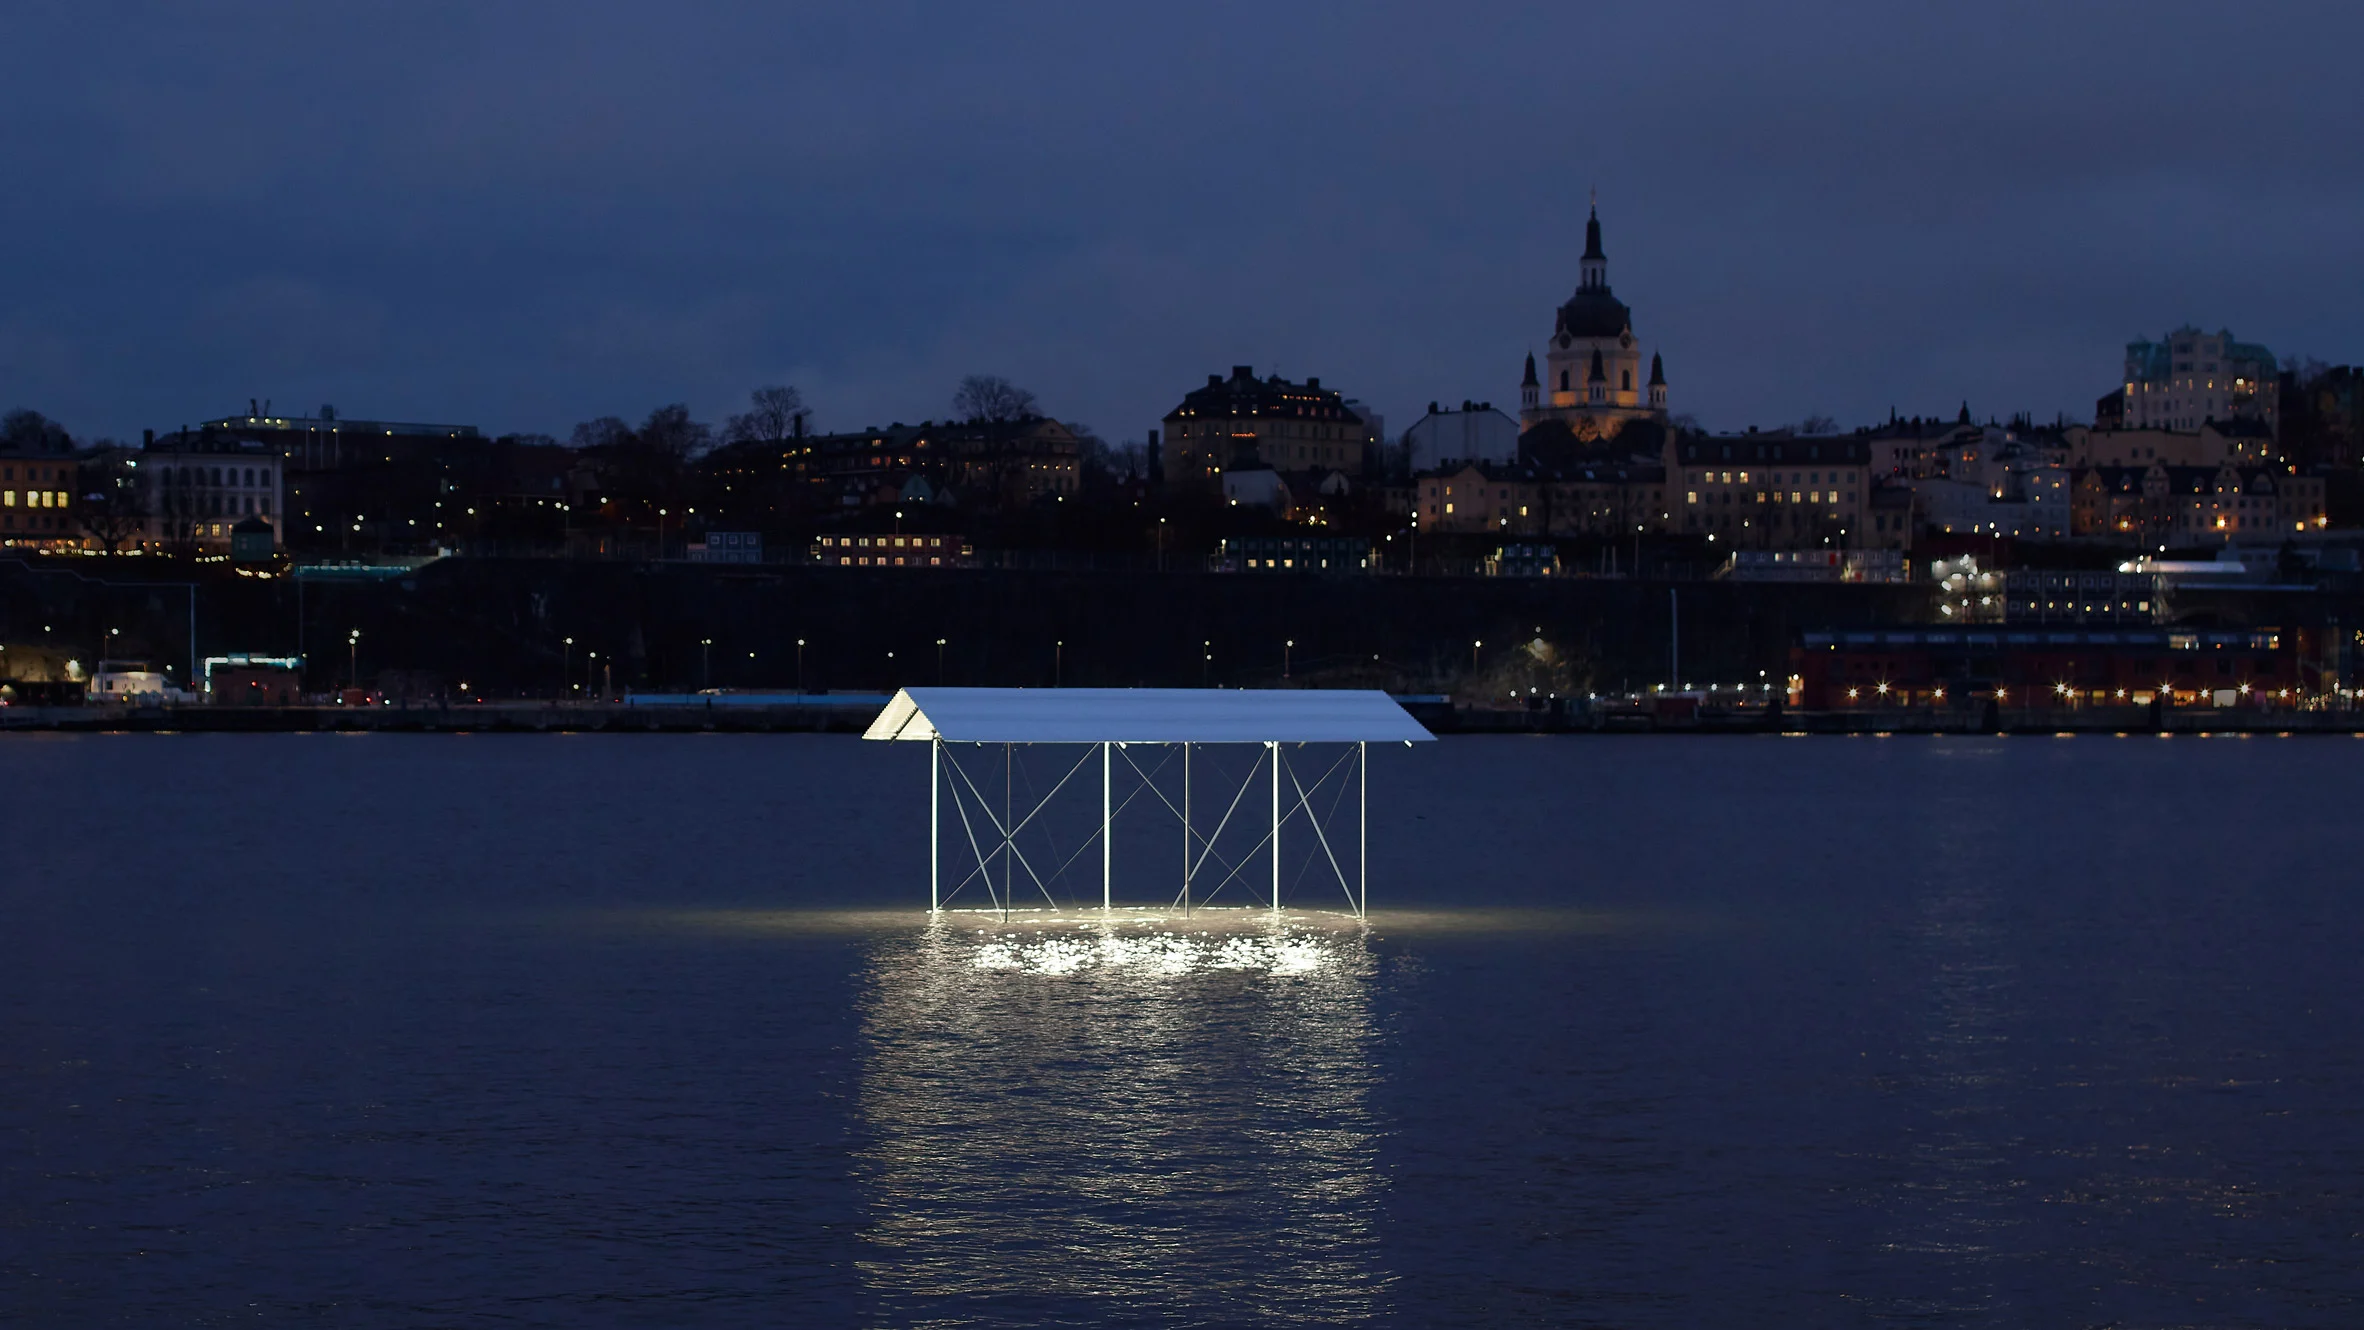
[(2083, 597), (935, 550), (1605, 497), (325, 441), (1593, 381), (244, 679), (37, 503), (1007, 464), (1876, 669), (1774, 491), (196, 489), (2189, 378), (1244, 420), (1255, 485), (1295, 554), (727, 547), (1529, 558), (1478, 496), (2214, 443), (129, 681), (355, 484), (1817, 565), (1608, 497), (1476, 432), (2197, 505)]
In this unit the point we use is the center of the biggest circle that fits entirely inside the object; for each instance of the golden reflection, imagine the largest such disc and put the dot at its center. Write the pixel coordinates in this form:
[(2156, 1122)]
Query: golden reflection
[(1130, 1118)]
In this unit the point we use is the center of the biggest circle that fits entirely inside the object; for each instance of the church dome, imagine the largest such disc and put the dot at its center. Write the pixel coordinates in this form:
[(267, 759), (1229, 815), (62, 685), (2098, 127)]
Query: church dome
[(1593, 313)]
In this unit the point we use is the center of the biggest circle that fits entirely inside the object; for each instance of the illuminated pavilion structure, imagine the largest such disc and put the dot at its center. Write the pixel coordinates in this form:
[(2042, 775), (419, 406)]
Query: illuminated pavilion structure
[(1116, 721)]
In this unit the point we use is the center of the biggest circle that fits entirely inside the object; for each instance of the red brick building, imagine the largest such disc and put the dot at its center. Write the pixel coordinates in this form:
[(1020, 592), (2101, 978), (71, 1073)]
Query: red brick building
[(1923, 667)]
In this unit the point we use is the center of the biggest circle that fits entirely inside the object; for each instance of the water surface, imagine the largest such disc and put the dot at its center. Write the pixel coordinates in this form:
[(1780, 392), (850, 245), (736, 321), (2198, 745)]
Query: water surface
[(648, 1030)]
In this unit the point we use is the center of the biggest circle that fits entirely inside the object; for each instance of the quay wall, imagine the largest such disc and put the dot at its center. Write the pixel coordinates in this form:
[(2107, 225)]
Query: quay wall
[(500, 626)]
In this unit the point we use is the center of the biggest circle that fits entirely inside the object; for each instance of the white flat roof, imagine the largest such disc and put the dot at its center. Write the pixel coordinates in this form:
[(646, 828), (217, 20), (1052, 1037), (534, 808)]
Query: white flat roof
[(1146, 715)]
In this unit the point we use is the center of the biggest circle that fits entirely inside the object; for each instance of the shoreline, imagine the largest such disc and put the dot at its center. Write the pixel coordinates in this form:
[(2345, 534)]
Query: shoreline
[(578, 718)]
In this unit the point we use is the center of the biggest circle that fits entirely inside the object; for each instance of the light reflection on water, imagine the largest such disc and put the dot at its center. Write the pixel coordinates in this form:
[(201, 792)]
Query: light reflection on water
[(1142, 1121)]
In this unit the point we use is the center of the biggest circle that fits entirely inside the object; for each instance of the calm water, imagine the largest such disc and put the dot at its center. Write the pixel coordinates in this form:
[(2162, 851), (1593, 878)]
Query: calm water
[(391, 1030)]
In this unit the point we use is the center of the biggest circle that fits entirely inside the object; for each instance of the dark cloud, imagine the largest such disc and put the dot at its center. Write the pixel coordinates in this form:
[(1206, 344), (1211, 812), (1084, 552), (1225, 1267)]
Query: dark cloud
[(529, 215)]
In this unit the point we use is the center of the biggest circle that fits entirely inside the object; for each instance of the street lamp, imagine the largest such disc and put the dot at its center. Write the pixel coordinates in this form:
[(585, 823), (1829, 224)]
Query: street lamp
[(566, 668), (1058, 663), (1286, 648), (706, 664), (353, 659), (939, 661), (1473, 656), (799, 665), (1206, 661)]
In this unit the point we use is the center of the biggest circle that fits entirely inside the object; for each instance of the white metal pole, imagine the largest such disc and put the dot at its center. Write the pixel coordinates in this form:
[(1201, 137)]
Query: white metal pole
[(935, 792), (1276, 761), (1008, 782), (1362, 904), (1105, 859), (1186, 827)]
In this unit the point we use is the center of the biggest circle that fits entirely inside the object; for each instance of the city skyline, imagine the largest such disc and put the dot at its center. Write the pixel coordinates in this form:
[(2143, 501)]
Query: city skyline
[(525, 223)]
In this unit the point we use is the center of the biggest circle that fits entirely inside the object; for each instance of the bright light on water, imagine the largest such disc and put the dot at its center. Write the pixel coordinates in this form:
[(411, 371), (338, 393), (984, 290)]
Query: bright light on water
[(1165, 954)]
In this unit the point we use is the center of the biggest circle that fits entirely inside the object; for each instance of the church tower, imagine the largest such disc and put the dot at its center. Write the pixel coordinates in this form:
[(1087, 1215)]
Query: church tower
[(1595, 263), (1591, 378)]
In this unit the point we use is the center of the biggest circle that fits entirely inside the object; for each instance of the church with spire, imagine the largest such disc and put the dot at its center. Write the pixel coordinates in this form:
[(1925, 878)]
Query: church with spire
[(1592, 381)]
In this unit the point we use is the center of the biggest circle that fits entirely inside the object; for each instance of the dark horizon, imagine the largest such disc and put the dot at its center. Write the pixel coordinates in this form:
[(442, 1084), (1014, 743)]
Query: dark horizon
[(530, 218)]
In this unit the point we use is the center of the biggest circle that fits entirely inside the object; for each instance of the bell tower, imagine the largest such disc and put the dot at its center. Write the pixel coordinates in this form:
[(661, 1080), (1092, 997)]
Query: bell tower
[(1595, 263)]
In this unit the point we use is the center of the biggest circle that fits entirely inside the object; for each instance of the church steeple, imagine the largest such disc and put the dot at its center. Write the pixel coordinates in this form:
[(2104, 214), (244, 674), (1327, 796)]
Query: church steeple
[(1531, 388), (1596, 263)]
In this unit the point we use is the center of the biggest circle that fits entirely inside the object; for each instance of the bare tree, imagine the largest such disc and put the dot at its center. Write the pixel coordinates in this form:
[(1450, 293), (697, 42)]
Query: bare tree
[(773, 413), (31, 432), (990, 397), (605, 432), (1818, 424), (113, 510), (669, 430)]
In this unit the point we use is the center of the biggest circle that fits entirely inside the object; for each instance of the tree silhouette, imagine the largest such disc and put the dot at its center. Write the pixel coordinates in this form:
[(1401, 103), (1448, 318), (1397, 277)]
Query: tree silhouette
[(31, 432), (990, 397), (773, 413)]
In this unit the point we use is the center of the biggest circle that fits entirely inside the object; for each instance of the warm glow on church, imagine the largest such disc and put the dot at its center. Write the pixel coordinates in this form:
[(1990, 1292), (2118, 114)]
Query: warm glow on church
[(1592, 380)]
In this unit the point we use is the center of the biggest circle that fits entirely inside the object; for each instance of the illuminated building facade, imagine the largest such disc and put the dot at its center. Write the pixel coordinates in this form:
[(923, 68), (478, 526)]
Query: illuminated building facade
[(2189, 378), (195, 489), (1941, 667), (37, 501), (2197, 505), (897, 551), (1593, 380), (1753, 491)]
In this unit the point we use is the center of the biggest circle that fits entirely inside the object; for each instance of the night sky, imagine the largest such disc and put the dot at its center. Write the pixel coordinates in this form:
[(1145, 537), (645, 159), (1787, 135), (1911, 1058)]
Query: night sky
[(522, 216)]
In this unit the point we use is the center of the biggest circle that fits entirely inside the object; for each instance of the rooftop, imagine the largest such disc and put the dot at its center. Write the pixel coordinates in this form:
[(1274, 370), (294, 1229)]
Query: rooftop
[(1145, 715)]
